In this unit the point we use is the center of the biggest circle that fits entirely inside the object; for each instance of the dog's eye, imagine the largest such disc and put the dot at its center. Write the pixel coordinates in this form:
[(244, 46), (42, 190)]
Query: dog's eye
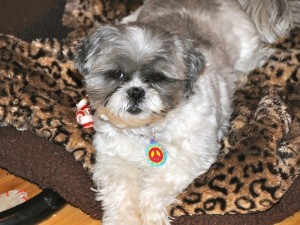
[(117, 75), (157, 77)]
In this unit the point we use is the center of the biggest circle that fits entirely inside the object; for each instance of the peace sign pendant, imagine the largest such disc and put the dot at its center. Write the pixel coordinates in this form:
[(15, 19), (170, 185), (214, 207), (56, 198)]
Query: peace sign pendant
[(155, 154)]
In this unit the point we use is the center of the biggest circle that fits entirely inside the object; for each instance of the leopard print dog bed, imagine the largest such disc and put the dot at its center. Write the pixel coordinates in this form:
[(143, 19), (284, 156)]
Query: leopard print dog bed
[(39, 89)]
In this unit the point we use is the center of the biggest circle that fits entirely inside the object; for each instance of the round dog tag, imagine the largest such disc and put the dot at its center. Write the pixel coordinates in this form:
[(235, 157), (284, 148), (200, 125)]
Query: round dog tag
[(155, 154)]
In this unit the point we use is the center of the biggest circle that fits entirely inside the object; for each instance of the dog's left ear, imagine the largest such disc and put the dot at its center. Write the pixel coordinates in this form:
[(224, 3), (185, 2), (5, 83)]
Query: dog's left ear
[(195, 64)]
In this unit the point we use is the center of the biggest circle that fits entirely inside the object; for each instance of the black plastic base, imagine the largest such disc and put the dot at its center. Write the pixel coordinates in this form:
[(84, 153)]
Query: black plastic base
[(34, 210)]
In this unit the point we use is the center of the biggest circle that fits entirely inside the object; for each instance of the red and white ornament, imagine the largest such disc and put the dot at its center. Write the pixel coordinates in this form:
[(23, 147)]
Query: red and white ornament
[(84, 114)]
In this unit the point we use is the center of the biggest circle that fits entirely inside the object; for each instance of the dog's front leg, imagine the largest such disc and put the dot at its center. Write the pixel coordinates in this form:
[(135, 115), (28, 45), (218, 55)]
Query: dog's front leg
[(160, 187), (117, 189)]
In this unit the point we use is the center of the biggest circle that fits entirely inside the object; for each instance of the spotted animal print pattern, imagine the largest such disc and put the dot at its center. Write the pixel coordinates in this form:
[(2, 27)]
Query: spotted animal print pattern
[(260, 157)]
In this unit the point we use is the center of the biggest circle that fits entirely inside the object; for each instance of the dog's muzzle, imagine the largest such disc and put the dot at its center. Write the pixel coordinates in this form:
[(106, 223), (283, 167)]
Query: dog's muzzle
[(136, 95)]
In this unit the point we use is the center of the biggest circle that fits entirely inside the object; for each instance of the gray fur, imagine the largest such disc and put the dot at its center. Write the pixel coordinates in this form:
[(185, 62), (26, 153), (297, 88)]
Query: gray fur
[(273, 18), (170, 38), (111, 48)]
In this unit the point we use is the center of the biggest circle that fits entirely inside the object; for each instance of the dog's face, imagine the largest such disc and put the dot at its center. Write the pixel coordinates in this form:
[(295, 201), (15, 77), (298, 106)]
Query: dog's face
[(135, 74)]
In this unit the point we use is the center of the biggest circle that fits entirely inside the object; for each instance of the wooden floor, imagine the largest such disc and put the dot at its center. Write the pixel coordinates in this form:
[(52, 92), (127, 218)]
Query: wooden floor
[(69, 214)]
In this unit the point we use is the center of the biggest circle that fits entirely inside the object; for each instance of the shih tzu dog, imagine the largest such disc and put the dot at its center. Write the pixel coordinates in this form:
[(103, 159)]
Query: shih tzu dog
[(161, 83)]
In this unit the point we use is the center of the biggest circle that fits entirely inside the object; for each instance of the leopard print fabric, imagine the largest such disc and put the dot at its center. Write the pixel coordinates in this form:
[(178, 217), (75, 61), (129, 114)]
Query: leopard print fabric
[(86, 16), (253, 174), (39, 89), (260, 159)]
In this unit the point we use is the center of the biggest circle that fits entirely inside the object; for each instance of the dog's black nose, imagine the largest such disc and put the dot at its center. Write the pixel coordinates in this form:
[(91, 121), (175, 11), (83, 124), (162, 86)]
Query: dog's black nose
[(136, 93)]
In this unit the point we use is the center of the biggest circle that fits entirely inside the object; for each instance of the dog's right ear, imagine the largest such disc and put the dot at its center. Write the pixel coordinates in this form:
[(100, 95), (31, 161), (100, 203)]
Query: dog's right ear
[(81, 54), (92, 47)]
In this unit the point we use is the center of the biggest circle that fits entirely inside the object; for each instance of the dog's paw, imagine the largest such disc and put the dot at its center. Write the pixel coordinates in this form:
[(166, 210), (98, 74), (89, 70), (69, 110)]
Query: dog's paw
[(122, 220), (157, 217)]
